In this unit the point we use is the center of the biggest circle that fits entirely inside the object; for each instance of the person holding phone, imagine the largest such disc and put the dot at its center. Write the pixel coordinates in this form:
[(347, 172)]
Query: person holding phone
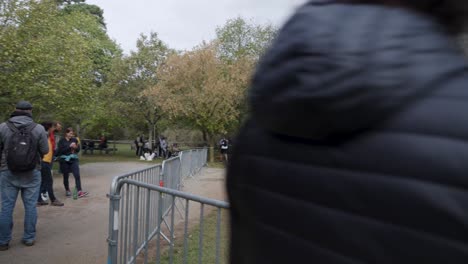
[(68, 148)]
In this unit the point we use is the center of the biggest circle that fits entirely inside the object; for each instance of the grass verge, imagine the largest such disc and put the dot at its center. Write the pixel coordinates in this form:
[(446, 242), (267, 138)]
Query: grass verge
[(208, 251)]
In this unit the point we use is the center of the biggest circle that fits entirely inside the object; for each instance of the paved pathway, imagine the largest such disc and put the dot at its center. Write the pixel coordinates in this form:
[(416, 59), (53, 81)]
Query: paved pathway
[(77, 232)]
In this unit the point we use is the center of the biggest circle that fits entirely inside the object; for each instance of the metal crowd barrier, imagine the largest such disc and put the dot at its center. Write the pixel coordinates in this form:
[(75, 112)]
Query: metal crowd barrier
[(142, 211), (192, 161), (171, 178), (185, 163), (171, 174), (128, 218)]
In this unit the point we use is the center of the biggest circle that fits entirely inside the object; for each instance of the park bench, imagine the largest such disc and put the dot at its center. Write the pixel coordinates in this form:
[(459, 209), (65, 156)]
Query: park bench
[(107, 150), (90, 146)]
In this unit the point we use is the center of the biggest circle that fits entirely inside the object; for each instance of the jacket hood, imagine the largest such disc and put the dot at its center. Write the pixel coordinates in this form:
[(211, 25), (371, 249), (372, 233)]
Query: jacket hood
[(326, 77), (21, 120)]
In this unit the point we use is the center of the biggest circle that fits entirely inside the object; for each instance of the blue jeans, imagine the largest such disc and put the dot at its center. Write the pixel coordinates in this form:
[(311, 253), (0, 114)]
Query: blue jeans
[(10, 186)]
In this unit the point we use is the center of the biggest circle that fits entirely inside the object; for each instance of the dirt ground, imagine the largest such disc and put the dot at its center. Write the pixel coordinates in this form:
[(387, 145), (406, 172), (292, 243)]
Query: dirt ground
[(77, 232)]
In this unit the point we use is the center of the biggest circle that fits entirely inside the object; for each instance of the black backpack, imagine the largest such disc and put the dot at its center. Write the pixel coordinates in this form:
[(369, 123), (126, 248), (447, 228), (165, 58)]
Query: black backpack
[(21, 151)]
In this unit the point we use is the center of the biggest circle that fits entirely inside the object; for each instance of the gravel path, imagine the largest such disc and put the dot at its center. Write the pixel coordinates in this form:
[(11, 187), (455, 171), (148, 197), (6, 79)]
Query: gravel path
[(77, 232)]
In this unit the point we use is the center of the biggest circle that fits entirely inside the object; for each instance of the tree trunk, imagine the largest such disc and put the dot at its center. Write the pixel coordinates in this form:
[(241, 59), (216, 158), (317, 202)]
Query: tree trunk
[(150, 135), (211, 150), (78, 131), (153, 140)]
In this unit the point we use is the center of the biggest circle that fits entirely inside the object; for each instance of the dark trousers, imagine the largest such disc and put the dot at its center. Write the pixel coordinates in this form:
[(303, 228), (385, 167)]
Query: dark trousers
[(160, 152), (139, 150), (74, 168), (47, 181)]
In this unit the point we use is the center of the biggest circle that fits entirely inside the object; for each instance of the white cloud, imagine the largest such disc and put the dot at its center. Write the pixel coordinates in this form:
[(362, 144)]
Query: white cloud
[(182, 24)]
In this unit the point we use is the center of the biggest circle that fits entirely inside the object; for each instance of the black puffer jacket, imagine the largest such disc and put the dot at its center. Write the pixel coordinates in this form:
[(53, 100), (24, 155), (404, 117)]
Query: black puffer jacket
[(357, 147)]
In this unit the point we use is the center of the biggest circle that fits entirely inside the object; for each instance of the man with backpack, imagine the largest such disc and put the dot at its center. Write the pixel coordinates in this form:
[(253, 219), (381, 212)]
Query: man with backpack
[(23, 143)]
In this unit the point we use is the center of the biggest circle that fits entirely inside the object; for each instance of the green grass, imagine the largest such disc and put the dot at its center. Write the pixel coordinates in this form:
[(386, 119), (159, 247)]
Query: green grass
[(123, 154), (209, 242)]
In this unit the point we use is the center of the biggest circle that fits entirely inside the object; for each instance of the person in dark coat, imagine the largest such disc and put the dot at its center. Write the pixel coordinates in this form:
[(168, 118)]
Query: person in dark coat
[(67, 151), (356, 149)]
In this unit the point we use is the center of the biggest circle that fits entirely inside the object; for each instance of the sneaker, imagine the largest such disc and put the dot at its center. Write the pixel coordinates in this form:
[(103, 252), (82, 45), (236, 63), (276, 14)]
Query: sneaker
[(4, 247), (41, 203), (82, 194), (45, 196), (57, 203), (28, 243), (68, 193)]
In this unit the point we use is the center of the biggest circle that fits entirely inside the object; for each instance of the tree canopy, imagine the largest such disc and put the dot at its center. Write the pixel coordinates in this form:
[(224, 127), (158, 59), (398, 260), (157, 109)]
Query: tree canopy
[(131, 76), (58, 55), (55, 59), (238, 38), (199, 87)]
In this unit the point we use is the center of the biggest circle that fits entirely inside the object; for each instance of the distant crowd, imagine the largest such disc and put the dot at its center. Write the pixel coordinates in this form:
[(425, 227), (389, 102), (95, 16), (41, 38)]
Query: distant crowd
[(161, 148)]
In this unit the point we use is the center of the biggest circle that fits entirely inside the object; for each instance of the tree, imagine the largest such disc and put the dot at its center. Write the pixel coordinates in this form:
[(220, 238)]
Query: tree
[(202, 89), (34, 66), (70, 6), (238, 39), (134, 74), (58, 60)]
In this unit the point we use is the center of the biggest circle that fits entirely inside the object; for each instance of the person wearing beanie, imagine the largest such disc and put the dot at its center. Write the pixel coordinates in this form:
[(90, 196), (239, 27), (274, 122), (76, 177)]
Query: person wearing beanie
[(13, 182), (356, 146)]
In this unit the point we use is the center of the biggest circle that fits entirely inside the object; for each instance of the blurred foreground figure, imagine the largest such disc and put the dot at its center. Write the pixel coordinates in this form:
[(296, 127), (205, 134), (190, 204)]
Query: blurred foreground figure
[(356, 150)]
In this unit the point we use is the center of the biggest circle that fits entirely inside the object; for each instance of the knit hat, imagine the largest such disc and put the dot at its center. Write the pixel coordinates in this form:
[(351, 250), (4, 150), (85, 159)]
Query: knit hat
[(24, 105)]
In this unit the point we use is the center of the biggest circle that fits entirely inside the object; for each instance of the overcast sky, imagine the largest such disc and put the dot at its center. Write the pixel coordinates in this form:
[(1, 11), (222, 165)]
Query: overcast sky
[(183, 24)]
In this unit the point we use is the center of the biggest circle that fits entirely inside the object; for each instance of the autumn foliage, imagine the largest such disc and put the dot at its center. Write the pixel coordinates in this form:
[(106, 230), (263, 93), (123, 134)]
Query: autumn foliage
[(202, 89)]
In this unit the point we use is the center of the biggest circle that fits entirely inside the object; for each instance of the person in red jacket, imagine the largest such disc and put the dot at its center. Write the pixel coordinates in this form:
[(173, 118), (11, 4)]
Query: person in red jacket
[(46, 169)]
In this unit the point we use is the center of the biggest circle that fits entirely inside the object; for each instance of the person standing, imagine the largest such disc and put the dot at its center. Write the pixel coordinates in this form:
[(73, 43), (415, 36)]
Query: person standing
[(163, 147), (67, 151), (223, 149), (56, 128), (160, 150), (14, 178), (141, 142), (46, 169), (137, 146)]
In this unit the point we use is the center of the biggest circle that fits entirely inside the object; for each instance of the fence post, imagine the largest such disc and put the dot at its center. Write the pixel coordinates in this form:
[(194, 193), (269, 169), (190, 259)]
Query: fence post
[(112, 240)]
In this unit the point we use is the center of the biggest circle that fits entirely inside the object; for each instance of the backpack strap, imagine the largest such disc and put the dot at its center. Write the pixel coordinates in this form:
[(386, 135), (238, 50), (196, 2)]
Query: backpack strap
[(11, 126), (29, 128)]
